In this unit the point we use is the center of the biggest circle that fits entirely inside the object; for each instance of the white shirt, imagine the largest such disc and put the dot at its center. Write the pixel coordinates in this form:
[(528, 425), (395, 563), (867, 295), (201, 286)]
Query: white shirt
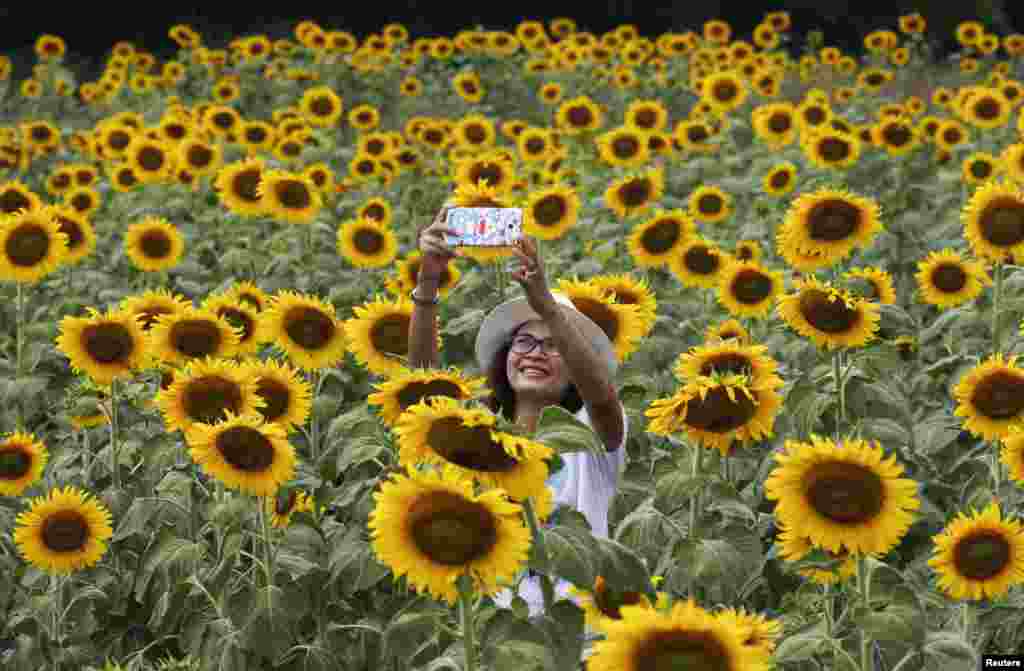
[(587, 483)]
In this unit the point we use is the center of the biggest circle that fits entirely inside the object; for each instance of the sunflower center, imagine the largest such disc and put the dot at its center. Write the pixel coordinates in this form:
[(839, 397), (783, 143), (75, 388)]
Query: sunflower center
[(845, 493), (14, 464), (151, 159), (724, 91), (727, 363), (949, 278), (645, 118), (245, 183), (710, 204), (717, 413), (815, 116), (27, 245), (293, 194), (834, 149), (118, 140), (829, 316), (833, 220), (549, 210), (255, 135), (679, 650), (751, 287), (600, 313), (126, 177), (1002, 222), (987, 109), (246, 449), (635, 192), (469, 88), (625, 147), (451, 530), (700, 261), (980, 169), (982, 555), (414, 392), (390, 334), (276, 395), (199, 156), (697, 134), (475, 134), (999, 395), (62, 181), (81, 202), (779, 179), (580, 117), (206, 398), (74, 232), (368, 241), (535, 145), (487, 172), (896, 135), (661, 236), (952, 135), (780, 123), (322, 107), (470, 447), (311, 329), (195, 337), (65, 531), (223, 120), (155, 244), (107, 343)]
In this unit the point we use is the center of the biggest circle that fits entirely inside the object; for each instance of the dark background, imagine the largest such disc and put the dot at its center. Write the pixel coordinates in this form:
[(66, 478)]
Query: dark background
[(90, 29)]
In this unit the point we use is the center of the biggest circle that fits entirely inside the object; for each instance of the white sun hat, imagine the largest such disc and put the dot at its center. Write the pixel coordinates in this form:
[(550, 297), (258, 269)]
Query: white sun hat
[(500, 322)]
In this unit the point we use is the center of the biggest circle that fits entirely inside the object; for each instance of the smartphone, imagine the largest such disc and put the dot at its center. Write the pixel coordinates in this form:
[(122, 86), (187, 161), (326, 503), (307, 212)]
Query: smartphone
[(484, 226)]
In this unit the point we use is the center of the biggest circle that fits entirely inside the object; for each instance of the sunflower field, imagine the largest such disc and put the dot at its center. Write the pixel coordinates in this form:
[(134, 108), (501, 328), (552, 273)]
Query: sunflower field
[(215, 455)]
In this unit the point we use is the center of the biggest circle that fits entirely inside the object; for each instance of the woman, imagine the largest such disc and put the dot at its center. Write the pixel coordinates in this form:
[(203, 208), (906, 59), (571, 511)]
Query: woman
[(537, 351)]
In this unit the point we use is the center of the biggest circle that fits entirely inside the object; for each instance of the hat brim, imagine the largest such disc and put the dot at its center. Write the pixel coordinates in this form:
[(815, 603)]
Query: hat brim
[(505, 318)]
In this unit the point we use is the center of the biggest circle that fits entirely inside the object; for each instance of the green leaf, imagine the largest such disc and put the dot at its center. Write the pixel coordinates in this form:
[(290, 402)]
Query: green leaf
[(464, 323), (678, 487), (951, 651), (802, 645), (561, 431), (897, 623), (406, 633), (564, 624), (345, 425)]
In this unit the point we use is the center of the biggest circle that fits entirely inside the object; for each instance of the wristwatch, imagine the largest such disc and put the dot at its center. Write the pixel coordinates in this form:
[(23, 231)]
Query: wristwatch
[(419, 301)]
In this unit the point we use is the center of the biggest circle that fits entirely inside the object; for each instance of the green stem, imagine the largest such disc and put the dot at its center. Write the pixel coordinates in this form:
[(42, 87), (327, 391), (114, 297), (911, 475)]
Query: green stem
[(867, 661), (996, 295), (966, 620), (313, 424), (268, 558), (465, 585), (829, 616), (58, 589), (546, 588), (837, 375), (113, 435), (20, 318), (695, 504)]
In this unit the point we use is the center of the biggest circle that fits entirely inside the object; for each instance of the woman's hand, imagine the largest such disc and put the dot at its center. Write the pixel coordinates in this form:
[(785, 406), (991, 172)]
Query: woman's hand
[(530, 276), (435, 253)]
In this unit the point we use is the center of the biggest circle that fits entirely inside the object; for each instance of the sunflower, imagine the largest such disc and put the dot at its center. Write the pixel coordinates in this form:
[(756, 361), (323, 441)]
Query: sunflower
[(748, 289), (237, 186), (982, 166), (694, 136), (244, 453), (1011, 160), (991, 398), (152, 159), (710, 204), (898, 136), (831, 150), (794, 547), (123, 178), (579, 115), (723, 91), (286, 395), (32, 245), (730, 329), (84, 199), (826, 225), (830, 317), (628, 290), (199, 156), (757, 631), (622, 323), (321, 106), (22, 460), (407, 276), (257, 136), (495, 169), (646, 115), (79, 231), (191, 333), (535, 145), (154, 245), (698, 263), (64, 531), (103, 346), (685, 637), (947, 280), (624, 146), (775, 124), (148, 306), (634, 193), (989, 109), (405, 388), (842, 496), (241, 316), (729, 358), (288, 196), (872, 284), (431, 528), (654, 242), (467, 86), (950, 134), (364, 117), (716, 410), (474, 131), (247, 292), (979, 556), (549, 213), (994, 221), (280, 512), (305, 329), (604, 604), (205, 391), (780, 180), (365, 243)]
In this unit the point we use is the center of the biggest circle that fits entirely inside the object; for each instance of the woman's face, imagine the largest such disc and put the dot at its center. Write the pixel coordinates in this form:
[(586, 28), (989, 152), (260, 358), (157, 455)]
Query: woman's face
[(540, 375)]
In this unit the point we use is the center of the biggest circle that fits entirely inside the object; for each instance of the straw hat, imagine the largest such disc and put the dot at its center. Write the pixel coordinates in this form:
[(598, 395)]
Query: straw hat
[(500, 322)]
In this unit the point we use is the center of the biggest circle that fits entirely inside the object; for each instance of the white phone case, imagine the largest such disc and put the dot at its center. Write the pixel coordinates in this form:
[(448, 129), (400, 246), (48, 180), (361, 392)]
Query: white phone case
[(484, 226)]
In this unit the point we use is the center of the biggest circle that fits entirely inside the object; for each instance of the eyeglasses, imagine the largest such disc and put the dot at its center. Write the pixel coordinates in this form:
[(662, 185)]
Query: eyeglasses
[(524, 343)]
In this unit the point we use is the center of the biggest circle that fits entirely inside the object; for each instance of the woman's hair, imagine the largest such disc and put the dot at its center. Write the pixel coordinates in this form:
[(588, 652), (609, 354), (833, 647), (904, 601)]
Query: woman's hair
[(503, 398)]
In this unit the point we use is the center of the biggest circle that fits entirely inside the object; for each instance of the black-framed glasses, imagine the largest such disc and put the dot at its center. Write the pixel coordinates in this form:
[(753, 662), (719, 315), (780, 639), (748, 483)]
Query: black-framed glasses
[(524, 343)]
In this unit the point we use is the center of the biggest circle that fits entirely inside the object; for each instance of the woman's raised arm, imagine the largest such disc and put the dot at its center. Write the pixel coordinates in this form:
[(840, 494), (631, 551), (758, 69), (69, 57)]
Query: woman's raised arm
[(435, 255)]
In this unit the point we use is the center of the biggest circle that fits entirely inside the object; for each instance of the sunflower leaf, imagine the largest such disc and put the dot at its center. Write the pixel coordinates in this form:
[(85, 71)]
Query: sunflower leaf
[(897, 622), (952, 651), (464, 323), (562, 432), (803, 645)]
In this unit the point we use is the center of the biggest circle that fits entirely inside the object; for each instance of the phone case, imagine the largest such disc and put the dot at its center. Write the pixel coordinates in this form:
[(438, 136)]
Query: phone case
[(484, 226)]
